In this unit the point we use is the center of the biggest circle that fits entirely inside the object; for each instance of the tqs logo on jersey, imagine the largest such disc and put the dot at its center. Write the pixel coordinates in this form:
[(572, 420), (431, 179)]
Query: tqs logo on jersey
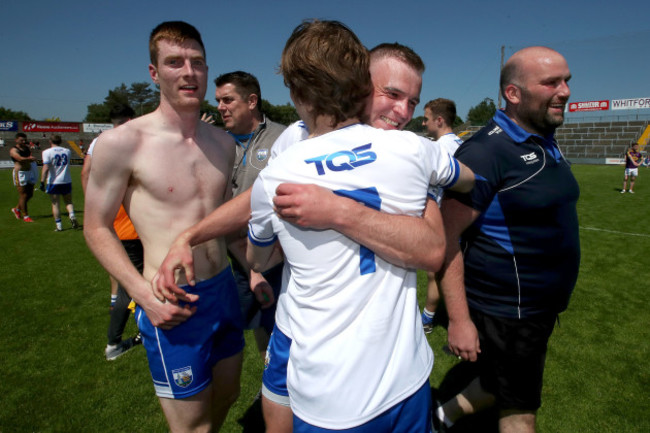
[(529, 158), (344, 159)]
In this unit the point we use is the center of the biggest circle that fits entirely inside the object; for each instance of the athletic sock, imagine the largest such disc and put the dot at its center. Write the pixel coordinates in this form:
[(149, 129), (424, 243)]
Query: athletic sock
[(440, 414), (113, 300), (428, 313), (71, 215)]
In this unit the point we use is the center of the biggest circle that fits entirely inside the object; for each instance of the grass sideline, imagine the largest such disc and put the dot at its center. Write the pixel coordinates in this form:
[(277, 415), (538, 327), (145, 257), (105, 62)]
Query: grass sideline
[(55, 316)]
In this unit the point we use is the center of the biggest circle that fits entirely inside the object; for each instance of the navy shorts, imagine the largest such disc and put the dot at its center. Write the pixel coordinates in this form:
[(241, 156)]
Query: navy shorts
[(181, 359), (512, 358), (59, 188)]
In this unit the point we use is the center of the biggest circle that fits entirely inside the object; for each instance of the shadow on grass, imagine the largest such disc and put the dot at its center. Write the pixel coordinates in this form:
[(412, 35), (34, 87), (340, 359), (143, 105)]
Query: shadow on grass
[(252, 421)]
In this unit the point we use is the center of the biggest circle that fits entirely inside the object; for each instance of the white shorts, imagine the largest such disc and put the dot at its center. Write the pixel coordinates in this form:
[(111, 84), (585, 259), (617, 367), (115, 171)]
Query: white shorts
[(22, 178), (634, 172)]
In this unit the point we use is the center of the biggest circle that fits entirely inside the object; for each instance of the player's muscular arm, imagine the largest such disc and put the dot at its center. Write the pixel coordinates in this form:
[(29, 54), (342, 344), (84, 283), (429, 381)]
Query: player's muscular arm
[(259, 286), (399, 239), (465, 181), (258, 257), (462, 335), (85, 172)]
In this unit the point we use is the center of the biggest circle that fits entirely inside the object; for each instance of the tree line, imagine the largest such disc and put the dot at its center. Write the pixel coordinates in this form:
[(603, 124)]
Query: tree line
[(143, 97)]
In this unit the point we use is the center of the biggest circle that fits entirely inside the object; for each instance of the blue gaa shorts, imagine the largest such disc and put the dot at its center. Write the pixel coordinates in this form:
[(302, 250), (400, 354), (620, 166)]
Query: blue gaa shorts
[(274, 379), (412, 415), (182, 358), (59, 188)]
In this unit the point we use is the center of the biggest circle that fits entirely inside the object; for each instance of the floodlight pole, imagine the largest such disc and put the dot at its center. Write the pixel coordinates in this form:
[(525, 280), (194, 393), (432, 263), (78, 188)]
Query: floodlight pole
[(500, 68)]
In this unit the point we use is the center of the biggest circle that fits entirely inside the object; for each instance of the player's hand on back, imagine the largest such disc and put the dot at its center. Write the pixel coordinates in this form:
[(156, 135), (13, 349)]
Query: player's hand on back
[(304, 205)]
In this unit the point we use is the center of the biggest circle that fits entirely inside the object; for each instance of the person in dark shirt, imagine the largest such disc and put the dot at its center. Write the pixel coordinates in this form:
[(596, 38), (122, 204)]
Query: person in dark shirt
[(518, 233)]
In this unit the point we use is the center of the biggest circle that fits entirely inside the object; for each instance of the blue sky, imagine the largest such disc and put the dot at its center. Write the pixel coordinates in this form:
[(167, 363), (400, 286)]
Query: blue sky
[(61, 56)]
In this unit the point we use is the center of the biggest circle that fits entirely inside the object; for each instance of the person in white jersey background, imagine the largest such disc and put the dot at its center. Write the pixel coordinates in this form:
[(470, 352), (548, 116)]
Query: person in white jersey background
[(439, 116), (358, 348), (56, 171)]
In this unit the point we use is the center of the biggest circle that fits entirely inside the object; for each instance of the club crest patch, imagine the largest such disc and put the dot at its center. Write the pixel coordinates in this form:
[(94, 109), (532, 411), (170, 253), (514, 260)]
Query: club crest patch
[(183, 376), (262, 154), (267, 359)]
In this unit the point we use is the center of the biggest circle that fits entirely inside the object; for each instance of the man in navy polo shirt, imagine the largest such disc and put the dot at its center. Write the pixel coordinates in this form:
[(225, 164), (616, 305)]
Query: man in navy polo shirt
[(518, 233)]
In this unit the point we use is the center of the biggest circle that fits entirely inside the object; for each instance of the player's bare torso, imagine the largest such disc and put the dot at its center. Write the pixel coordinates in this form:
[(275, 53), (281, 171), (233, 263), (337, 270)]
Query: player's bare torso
[(174, 182)]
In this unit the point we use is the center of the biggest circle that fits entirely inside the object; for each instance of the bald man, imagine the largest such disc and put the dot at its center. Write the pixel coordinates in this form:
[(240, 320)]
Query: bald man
[(518, 230)]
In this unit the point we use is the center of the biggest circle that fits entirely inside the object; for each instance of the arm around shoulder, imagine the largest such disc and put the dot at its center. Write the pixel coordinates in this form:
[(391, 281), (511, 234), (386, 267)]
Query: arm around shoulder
[(466, 179)]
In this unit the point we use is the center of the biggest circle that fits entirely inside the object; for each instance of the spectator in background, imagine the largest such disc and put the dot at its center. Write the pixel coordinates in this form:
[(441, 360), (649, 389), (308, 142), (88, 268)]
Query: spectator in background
[(56, 171), (439, 117), (633, 159), (513, 248), (240, 99), (120, 300), (24, 176)]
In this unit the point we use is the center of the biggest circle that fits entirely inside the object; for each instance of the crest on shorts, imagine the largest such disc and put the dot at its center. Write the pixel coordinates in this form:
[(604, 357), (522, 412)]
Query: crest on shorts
[(183, 376), (262, 154), (267, 359)]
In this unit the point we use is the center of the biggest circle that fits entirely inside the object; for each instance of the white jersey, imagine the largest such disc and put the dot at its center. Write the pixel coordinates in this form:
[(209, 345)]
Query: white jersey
[(91, 148), (450, 142), (293, 133), (358, 346), (58, 159)]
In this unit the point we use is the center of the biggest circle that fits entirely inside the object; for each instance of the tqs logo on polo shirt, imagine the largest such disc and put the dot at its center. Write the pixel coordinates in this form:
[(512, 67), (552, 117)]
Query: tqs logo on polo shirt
[(529, 158)]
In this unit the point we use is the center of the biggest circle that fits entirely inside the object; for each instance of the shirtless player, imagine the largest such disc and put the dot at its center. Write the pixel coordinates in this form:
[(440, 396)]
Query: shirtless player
[(177, 172)]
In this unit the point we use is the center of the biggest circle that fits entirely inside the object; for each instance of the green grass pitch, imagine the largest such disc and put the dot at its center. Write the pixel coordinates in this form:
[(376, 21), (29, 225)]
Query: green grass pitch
[(54, 316)]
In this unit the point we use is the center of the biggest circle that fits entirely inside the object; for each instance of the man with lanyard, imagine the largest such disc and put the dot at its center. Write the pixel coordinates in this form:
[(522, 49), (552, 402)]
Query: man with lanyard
[(239, 96)]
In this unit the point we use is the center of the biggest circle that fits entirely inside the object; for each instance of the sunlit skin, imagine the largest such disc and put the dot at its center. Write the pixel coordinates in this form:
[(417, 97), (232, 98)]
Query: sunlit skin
[(181, 73), (235, 111), (539, 99), (396, 93), (432, 124)]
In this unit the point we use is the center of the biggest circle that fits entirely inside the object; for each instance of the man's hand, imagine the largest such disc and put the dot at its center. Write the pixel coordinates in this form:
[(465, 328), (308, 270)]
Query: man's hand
[(207, 118), (165, 315), (463, 339), (262, 289), (164, 284), (303, 205)]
